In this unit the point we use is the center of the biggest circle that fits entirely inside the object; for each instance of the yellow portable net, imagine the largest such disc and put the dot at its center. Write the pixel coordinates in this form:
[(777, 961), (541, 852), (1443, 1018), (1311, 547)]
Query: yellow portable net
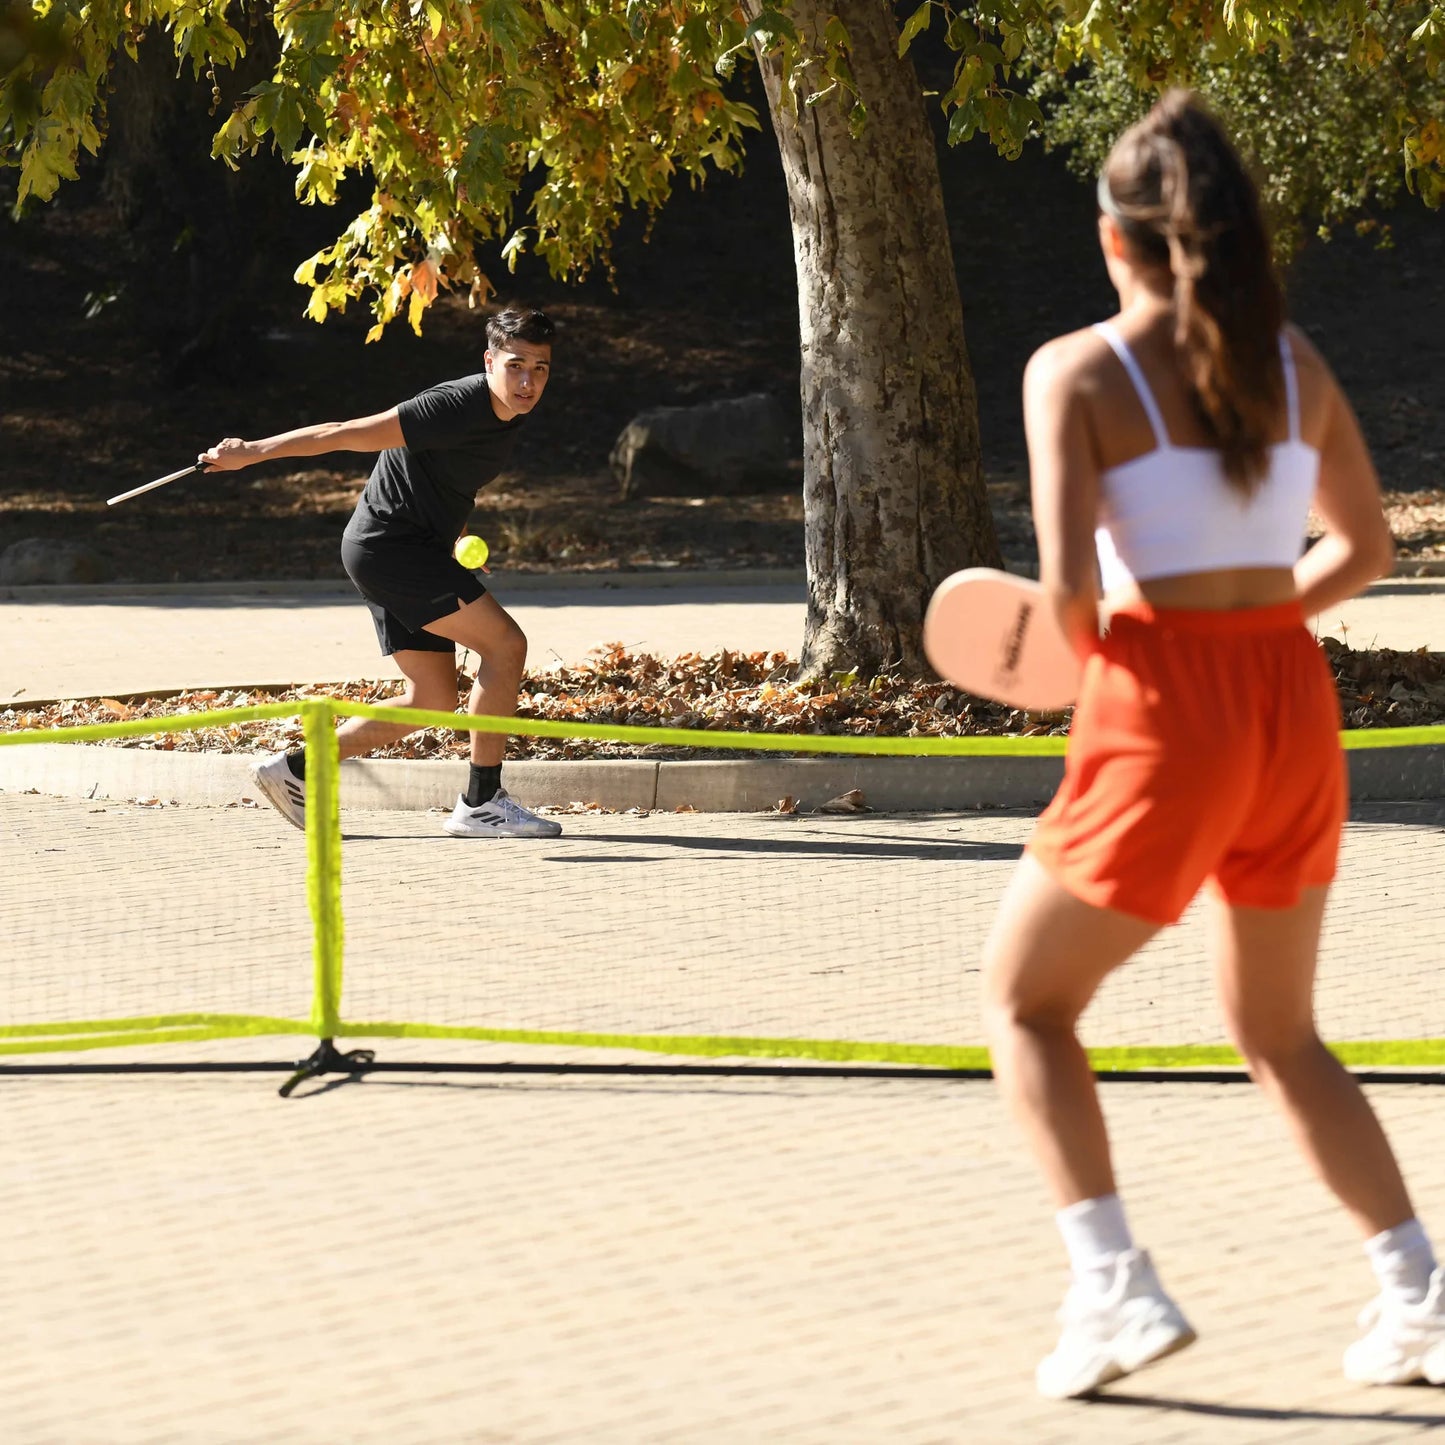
[(839, 943)]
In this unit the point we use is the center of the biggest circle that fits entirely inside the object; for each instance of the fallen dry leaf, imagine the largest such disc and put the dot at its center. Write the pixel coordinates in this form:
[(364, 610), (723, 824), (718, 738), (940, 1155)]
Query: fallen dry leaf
[(758, 692)]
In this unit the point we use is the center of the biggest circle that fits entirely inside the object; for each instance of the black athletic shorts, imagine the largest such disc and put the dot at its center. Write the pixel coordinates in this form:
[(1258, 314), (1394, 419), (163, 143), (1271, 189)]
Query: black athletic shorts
[(407, 584)]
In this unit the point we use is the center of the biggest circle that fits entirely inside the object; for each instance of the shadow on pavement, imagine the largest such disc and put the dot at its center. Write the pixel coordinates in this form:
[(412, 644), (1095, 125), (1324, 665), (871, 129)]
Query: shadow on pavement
[(800, 847), (1264, 1412)]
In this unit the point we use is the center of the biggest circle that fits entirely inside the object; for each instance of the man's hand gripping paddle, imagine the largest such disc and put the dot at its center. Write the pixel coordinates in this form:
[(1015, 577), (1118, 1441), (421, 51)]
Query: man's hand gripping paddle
[(996, 636)]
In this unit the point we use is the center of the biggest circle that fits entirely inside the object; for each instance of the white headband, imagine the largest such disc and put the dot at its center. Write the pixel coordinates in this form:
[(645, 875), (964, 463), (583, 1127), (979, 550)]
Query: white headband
[(1107, 204)]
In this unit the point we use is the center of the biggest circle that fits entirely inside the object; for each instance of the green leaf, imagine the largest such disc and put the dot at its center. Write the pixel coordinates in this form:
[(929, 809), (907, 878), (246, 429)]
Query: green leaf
[(604, 38), (288, 123), (557, 19), (768, 25), (310, 28), (962, 125), (913, 26)]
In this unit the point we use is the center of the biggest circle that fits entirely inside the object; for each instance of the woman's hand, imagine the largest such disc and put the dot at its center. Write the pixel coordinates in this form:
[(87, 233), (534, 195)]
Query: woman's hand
[(229, 455)]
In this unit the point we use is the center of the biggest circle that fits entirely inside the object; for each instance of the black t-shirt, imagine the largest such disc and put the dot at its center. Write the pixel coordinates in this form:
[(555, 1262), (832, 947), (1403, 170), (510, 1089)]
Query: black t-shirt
[(425, 490)]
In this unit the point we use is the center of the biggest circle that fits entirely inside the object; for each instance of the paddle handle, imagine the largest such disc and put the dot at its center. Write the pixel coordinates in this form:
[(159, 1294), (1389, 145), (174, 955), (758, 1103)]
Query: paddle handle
[(151, 486)]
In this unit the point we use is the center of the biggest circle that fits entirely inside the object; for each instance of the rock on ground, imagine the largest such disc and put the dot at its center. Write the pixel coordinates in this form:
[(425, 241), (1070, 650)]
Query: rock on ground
[(45, 560), (736, 445)]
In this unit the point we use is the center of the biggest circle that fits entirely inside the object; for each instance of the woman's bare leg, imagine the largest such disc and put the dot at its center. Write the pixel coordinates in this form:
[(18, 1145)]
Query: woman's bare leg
[(1047, 955), (1265, 960), (1045, 958)]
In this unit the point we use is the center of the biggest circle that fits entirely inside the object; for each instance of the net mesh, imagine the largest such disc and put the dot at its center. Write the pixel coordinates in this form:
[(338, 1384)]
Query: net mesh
[(119, 912), (677, 924), (813, 936)]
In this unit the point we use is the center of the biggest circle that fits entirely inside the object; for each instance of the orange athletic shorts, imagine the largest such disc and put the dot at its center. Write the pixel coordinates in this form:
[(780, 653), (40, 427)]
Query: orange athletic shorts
[(1204, 748)]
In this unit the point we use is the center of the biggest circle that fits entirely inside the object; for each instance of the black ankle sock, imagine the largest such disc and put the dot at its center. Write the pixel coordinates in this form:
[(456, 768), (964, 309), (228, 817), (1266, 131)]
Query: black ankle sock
[(482, 784), (297, 763)]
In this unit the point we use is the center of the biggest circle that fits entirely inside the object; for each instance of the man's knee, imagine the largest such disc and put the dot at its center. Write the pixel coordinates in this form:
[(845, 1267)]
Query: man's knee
[(426, 699), (518, 647), (508, 649)]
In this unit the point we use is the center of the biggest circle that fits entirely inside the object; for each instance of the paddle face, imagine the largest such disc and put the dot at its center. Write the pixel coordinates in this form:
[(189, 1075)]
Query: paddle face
[(995, 635)]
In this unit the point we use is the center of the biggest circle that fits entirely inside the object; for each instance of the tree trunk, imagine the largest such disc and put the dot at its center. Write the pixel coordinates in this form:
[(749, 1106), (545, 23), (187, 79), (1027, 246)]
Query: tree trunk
[(893, 493)]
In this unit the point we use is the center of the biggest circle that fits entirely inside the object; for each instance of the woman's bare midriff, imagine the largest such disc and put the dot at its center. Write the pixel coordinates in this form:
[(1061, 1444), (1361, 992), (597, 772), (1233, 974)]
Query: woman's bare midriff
[(1225, 590)]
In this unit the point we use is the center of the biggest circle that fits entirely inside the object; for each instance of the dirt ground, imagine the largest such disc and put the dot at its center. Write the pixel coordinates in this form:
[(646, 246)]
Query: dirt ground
[(706, 307)]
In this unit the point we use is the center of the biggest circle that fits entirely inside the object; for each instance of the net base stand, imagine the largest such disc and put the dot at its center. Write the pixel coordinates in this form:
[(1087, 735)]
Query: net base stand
[(328, 1059)]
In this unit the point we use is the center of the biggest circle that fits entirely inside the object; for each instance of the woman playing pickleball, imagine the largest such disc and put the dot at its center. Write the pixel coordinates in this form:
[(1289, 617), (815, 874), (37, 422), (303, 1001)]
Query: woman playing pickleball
[(1175, 453)]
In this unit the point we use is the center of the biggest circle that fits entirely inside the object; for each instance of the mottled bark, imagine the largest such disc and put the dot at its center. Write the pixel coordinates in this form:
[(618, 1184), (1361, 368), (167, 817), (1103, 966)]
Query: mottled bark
[(892, 480)]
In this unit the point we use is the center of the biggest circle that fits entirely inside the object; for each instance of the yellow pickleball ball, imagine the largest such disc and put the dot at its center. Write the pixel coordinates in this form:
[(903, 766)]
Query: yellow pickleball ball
[(471, 552)]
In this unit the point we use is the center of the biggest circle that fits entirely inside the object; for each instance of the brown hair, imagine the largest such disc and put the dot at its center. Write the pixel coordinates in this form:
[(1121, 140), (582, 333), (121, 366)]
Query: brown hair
[(519, 323), (1183, 198)]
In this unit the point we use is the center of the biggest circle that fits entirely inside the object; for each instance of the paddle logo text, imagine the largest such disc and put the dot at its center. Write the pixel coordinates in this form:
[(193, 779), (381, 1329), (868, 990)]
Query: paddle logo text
[(1014, 643)]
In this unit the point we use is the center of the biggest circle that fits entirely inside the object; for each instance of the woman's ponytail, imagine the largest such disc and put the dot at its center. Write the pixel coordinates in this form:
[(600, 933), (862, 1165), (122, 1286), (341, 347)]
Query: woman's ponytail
[(1183, 198)]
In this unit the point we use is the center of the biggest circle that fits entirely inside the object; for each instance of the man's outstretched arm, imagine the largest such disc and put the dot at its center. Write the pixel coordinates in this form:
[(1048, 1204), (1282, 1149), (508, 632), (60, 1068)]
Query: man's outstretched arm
[(362, 434)]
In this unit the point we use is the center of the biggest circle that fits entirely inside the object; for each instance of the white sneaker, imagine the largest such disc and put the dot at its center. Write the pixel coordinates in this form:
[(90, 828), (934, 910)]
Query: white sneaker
[(1106, 1336), (1401, 1342), (283, 789), (498, 817)]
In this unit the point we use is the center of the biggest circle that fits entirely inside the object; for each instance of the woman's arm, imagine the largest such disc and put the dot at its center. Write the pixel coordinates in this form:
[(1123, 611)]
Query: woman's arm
[(364, 434), (1064, 483), (1357, 546)]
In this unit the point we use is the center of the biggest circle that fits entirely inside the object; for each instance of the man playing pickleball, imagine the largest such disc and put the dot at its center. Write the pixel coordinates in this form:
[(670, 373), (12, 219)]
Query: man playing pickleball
[(436, 451)]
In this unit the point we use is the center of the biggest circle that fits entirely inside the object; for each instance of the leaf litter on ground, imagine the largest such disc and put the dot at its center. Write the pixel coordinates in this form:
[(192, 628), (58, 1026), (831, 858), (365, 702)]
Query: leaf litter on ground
[(751, 692)]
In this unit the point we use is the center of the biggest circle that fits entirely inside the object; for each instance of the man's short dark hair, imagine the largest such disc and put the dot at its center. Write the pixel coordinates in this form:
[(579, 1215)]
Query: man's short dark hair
[(519, 323)]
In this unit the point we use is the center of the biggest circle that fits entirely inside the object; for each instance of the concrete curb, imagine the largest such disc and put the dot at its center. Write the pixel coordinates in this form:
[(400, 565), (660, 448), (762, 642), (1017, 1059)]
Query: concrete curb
[(79, 770)]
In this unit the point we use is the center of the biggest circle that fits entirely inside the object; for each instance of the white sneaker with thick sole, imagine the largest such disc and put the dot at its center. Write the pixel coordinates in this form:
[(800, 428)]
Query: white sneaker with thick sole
[(499, 817), (283, 789), (1401, 1343), (1107, 1336)]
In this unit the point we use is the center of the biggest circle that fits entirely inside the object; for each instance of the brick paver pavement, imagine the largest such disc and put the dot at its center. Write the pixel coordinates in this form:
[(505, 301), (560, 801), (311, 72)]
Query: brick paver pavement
[(612, 1258)]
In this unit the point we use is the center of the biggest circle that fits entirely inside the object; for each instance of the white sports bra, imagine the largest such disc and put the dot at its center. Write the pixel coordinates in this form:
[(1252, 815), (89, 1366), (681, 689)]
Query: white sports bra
[(1172, 510)]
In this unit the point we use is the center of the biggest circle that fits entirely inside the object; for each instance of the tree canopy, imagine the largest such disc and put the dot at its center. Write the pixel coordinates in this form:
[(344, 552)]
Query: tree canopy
[(534, 124), (1339, 119)]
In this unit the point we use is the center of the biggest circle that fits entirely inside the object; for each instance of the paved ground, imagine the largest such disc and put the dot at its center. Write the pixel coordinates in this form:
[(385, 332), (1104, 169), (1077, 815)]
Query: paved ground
[(622, 1258), (618, 1258), (85, 643)]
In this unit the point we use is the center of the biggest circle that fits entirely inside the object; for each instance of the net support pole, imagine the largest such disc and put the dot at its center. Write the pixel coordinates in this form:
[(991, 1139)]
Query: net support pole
[(323, 863), (323, 892)]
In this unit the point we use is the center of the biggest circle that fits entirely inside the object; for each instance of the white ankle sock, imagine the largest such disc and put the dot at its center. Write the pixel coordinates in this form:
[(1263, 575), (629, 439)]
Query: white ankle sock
[(1402, 1260), (1095, 1234)]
